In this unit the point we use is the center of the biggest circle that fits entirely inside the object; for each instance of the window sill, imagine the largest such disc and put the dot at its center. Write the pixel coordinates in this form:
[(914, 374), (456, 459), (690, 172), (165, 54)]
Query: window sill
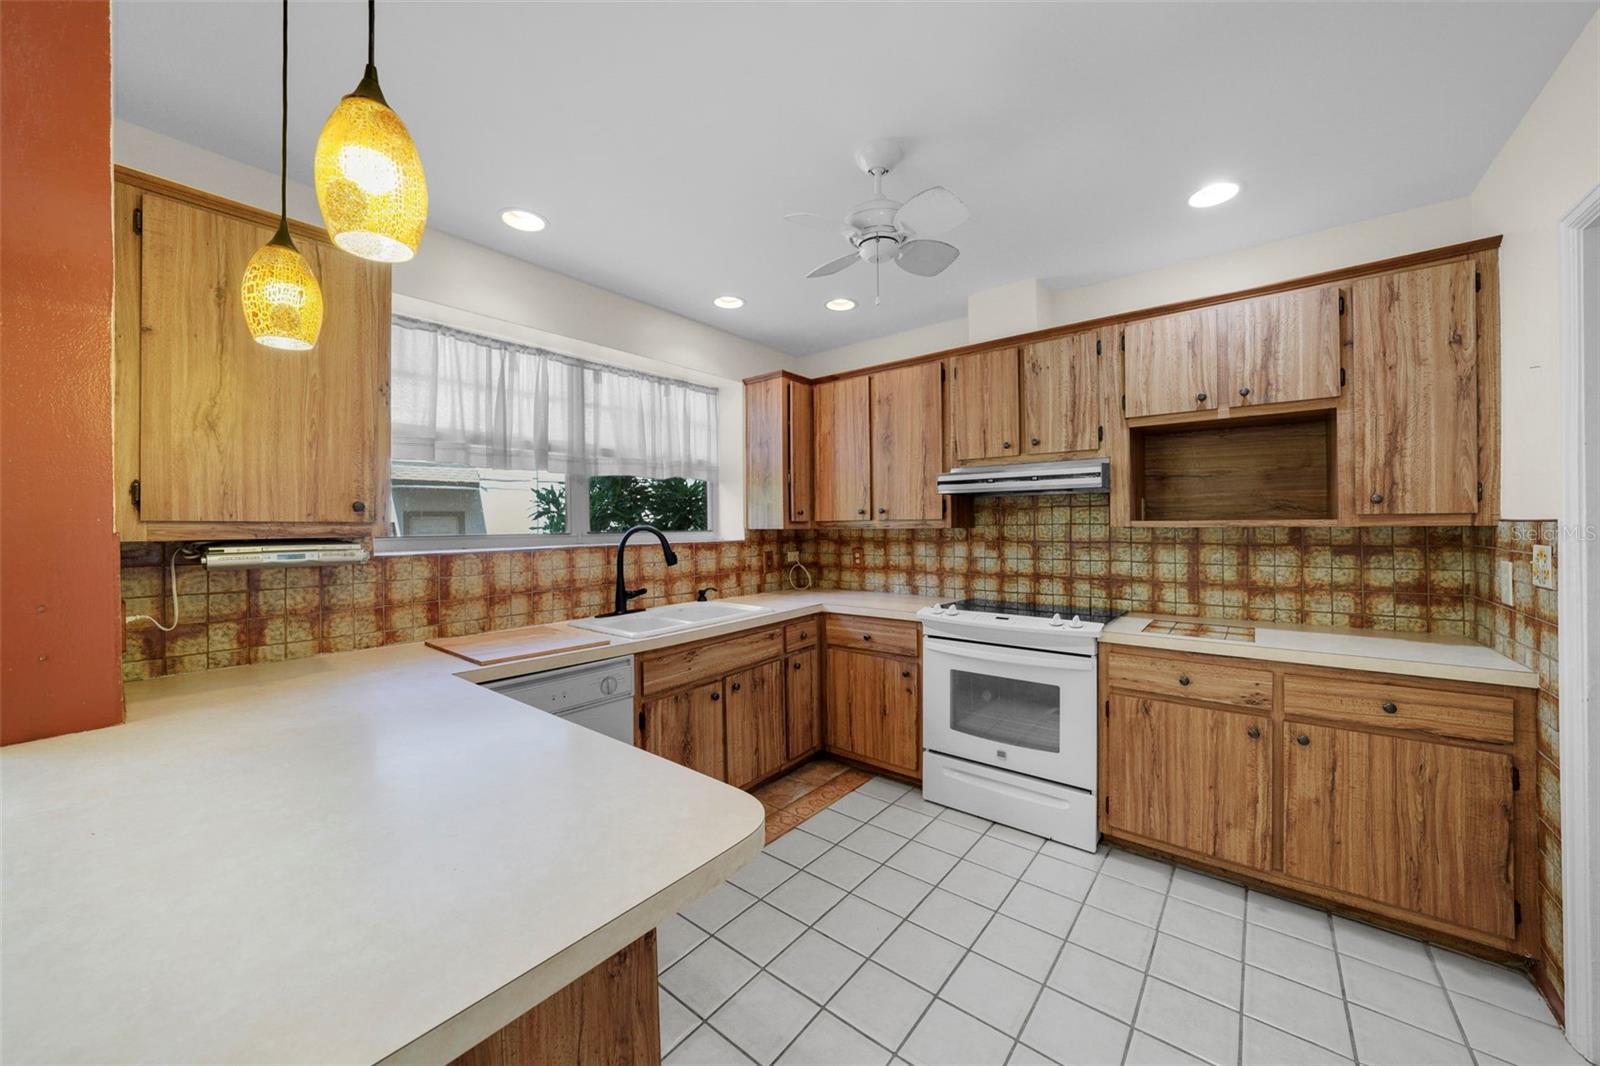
[(494, 542)]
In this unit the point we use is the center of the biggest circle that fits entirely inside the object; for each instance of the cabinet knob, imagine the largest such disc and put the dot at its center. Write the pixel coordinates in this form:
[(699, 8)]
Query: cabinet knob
[(800, 510), (1302, 740), (1005, 444), (1389, 707), (715, 696), (1254, 732), (1244, 391), (862, 511), (883, 510), (1376, 497), (1183, 679), (797, 664), (1199, 397), (1033, 441), (866, 636), (359, 507), (735, 686), (905, 673)]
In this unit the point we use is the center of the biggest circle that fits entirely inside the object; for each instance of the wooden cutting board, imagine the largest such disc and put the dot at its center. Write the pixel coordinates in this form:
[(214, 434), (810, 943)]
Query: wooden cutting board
[(505, 645)]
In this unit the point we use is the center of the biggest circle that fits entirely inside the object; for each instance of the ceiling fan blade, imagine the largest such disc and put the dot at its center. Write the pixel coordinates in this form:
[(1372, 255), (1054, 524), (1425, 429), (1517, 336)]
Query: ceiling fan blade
[(833, 266), (931, 211), (818, 222), (926, 258)]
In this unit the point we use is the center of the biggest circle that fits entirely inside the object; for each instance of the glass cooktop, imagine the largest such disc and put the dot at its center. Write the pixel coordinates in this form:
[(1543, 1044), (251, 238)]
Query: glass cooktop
[(1034, 609)]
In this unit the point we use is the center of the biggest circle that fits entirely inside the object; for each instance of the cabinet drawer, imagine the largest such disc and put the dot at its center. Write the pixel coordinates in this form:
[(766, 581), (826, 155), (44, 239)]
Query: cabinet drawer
[(1192, 678), (1437, 712), (801, 634), (679, 667), (873, 634)]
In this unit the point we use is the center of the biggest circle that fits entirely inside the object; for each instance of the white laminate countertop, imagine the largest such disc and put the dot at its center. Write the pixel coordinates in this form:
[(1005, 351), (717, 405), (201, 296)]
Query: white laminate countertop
[(342, 859), (1414, 654)]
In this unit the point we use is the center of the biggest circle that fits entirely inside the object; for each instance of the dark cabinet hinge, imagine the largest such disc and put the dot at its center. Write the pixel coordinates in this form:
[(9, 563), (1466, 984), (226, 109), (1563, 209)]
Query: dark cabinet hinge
[(1480, 492), (1100, 433), (1341, 303), (138, 220), (1097, 347), (1516, 911), (1108, 710), (1341, 377), (941, 371), (641, 723), (133, 493), (1516, 779), (1124, 402), (1122, 342), (1108, 804), (1477, 281)]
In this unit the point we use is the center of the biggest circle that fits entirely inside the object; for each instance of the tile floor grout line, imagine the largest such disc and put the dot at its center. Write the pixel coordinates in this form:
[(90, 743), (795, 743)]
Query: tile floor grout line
[(1344, 993), (1244, 970), (1066, 938), (1133, 1022), (1450, 1001)]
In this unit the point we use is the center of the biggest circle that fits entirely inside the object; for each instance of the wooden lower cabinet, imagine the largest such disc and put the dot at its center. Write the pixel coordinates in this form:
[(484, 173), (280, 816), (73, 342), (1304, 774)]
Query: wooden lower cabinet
[(1195, 777), (686, 727), (874, 708), (756, 730), (804, 724)]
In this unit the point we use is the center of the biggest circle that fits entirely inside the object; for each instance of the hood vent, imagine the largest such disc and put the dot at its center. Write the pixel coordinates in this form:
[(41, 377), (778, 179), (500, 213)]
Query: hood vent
[(1023, 479)]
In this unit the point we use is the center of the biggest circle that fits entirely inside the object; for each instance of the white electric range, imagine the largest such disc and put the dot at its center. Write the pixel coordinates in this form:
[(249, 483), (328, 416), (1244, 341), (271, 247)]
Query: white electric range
[(1008, 714)]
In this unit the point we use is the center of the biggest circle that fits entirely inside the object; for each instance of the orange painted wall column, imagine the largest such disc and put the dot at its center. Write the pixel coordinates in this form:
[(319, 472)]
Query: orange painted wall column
[(60, 612)]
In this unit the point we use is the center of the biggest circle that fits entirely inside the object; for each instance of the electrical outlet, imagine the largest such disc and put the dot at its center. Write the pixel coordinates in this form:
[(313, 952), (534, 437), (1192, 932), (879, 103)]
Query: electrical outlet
[(791, 557), (767, 559), (1544, 567), (1502, 582), (856, 557)]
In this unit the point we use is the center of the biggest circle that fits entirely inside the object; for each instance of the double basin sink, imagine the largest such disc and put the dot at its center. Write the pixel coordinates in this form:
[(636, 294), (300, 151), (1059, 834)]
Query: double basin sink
[(673, 618)]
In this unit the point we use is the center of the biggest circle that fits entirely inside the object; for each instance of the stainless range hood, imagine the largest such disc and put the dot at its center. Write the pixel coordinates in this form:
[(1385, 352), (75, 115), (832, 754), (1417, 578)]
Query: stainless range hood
[(1020, 479)]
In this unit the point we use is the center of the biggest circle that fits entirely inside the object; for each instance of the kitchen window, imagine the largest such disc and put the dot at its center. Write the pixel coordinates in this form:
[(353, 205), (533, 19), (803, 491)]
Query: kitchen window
[(497, 444)]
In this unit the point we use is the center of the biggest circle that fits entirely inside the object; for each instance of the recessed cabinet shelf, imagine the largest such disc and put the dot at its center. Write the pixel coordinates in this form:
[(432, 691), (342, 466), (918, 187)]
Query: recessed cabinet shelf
[(1278, 470)]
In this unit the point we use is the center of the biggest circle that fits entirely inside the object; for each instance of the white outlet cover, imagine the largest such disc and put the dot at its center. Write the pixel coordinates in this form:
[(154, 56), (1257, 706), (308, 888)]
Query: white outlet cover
[(1502, 582), (1544, 567)]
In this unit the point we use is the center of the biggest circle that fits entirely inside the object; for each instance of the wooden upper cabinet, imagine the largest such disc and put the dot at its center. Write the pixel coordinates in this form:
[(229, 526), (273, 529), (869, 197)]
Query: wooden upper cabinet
[(1061, 395), (907, 436), (841, 479), (224, 435), (778, 453), (1415, 391), (985, 416), (1172, 364), (1284, 347), (1414, 824), (799, 454)]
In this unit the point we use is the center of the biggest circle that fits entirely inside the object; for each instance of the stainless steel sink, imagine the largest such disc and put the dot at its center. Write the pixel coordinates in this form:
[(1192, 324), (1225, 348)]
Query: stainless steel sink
[(673, 618)]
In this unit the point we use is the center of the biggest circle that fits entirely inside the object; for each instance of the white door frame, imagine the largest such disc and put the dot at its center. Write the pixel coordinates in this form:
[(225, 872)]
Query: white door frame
[(1578, 620)]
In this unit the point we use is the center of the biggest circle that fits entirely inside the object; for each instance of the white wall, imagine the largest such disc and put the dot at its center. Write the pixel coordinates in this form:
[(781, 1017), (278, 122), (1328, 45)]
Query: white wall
[(1550, 162)]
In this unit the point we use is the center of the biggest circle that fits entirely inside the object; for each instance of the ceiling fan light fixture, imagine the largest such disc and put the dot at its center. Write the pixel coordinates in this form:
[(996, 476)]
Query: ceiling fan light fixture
[(520, 218), (840, 303), (1218, 192), (729, 303)]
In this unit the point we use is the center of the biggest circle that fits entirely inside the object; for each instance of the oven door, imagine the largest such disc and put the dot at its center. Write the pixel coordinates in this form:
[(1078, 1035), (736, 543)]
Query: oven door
[(1019, 709)]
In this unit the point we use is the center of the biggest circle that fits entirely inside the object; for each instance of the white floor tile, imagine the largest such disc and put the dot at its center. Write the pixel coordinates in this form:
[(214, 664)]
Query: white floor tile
[(718, 907), (1212, 892), (1203, 926), (902, 820), (1383, 1041), (1102, 983), (857, 805), (816, 965), (677, 1022), (952, 917), (763, 875), (1118, 938), (831, 825), (1041, 909), (947, 1037), (1414, 1002), (1145, 872), (1027, 841), (1389, 950), (805, 896), (763, 1017), (1294, 1008), (1029, 951), (842, 867), (1507, 988), (1072, 1034), (922, 862), (797, 847), (1127, 899), (675, 938), (760, 933), (1513, 1036), (1198, 969), (948, 837), (990, 992), (965, 820), (1146, 1050), (880, 1004), (827, 1041), (1062, 878), (1190, 1022), (874, 843), (1292, 918), (706, 1047), (914, 800), (997, 854), (922, 957), (884, 788), (893, 890), (977, 883), (707, 976), (1091, 860), (1291, 957), (1266, 1046), (858, 925)]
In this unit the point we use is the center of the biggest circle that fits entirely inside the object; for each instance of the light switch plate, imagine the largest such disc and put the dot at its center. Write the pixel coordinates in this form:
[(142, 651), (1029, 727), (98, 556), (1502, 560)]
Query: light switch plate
[(1502, 582), (1544, 567)]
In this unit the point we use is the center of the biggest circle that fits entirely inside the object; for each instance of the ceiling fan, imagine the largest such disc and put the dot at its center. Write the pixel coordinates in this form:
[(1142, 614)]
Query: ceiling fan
[(881, 229)]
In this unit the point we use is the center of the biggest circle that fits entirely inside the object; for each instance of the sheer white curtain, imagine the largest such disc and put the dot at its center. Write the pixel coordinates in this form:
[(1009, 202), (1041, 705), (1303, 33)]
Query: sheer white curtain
[(471, 400)]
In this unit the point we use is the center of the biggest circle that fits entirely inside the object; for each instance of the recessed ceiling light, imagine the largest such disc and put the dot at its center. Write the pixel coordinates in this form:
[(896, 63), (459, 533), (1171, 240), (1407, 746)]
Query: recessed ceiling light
[(728, 303), (518, 218), (840, 303), (1218, 192)]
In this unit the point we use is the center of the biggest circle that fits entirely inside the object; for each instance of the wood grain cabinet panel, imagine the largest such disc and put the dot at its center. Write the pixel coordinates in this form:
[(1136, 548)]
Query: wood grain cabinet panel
[(1191, 678), (778, 453), (1418, 825), (1193, 777), (907, 444), (841, 478), (687, 727), (1061, 395), (1171, 364), (1437, 712), (874, 708), (1414, 393), (804, 715), (985, 416), (885, 636), (756, 730), (706, 660), (799, 455), (1284, 347)]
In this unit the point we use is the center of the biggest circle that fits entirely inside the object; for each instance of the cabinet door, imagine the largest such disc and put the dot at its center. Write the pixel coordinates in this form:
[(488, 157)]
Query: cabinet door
[(906, 444), (1284, 347), (799, 452), (1170, 363), (1415, 391), (984, 416), (842, 480), (804, 720), (1190, 776), (1422, 826), (1061, 395), (756, 729), (875, 708), (686, 727), (233, 432), (764, 441)]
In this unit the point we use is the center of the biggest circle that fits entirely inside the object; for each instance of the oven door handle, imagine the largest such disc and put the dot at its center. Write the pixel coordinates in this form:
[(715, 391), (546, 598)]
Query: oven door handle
[(994, 653)]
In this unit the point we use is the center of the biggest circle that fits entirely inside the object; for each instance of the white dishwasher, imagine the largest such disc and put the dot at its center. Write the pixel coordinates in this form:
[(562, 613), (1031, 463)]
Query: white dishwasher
[(597, 696)]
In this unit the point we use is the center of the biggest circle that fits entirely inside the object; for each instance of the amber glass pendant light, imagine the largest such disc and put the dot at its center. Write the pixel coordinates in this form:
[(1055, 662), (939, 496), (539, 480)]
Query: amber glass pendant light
[(370, 185), (281, 297)]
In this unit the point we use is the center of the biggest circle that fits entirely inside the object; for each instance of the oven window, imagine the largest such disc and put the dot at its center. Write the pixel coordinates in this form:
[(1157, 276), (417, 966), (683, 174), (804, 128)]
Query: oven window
[(1025, 714)]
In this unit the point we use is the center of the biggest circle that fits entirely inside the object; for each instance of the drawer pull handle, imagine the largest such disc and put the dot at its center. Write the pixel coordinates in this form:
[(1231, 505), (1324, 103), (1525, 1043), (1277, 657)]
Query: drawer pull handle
[(866, 636), (1183, 679), (1302, 740), (1254, 732), (735, 686), (1390, 708)]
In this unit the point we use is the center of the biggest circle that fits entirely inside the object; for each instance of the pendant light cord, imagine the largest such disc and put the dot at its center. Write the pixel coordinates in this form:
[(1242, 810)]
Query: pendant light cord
[(283, 140), (372, 24)]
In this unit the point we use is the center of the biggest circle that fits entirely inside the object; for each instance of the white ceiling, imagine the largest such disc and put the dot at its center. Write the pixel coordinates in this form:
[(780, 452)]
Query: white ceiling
[(664, 142)]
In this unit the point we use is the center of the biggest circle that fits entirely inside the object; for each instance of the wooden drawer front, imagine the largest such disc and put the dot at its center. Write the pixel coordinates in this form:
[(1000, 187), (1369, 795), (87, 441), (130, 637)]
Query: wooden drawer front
[(679, 667), (1191, 677), (1440, 713), (873, 634), (801, 634)]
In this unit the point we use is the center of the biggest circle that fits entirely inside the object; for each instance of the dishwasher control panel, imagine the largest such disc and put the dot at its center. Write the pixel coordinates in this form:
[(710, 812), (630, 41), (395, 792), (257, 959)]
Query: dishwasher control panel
[(567, 690)]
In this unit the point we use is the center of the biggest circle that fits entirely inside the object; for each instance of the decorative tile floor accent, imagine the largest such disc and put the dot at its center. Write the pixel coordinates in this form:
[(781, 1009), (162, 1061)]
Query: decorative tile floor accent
[(797, 795), (886, 927)]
